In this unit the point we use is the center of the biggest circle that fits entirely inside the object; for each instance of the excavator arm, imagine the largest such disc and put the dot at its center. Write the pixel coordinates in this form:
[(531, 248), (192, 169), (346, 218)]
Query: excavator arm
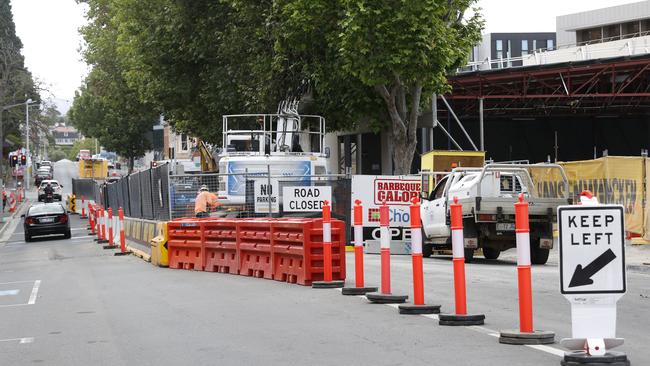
[(207, 160)]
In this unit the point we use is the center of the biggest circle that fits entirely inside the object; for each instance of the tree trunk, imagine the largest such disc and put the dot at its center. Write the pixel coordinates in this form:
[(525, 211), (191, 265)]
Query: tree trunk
[(131, 163), (403, 123)]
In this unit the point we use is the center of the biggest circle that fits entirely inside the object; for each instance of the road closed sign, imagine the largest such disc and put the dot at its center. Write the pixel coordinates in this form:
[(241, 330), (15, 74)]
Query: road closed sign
[(305, 199), (592, 249)]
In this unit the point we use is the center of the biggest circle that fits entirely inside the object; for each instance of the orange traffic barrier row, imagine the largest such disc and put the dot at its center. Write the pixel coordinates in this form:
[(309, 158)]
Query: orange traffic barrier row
[(283, 249)]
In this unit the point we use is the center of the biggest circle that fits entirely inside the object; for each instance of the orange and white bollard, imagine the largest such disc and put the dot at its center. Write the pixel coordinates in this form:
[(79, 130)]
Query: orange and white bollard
[(526, 333), (359, 288), (12, 202), (327, 252), (83, 208), (418, 306), (385, 296), (458, 252), (123, 250), (102, 215), (91, 219), (111, 244)]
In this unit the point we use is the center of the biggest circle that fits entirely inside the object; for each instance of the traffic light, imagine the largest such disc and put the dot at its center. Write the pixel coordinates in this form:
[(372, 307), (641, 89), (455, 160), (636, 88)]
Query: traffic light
[(13, 160), (23, 159)]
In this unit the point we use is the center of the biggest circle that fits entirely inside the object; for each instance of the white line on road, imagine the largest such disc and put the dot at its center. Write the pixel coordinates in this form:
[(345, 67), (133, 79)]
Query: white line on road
[(11, 283), (9, 292), (32, 297), (488, 331), (19, 340)]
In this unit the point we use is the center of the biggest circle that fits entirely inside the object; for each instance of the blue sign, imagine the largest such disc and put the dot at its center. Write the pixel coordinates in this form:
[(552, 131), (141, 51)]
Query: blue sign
[(237, 182)]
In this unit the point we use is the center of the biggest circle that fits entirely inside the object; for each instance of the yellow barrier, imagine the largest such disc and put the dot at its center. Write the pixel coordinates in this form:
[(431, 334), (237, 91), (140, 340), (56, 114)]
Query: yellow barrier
[(159, 252)]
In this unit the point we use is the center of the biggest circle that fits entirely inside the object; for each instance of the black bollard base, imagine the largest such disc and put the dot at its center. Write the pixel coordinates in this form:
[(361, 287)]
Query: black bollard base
[(101, 241), (513, 336), (410, 309), (461, 320), (611, 358), (327, 284), (357, 290), (379, 298), (120, 253), (111, 247)]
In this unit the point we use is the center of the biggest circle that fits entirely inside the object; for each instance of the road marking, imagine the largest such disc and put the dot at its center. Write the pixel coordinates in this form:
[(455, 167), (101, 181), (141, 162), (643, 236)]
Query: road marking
[(32, 297), (548, 349), (9, 292), (13, 243), (484, 330), (11, 283), (19, 340)]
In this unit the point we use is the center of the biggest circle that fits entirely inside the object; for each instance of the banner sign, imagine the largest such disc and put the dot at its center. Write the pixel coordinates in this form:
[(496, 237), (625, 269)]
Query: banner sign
[(612, 179), (305, 198), (397, 191)]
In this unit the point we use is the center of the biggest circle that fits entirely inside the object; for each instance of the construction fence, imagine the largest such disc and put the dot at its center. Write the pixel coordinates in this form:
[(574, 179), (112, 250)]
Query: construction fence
[(142, 195)]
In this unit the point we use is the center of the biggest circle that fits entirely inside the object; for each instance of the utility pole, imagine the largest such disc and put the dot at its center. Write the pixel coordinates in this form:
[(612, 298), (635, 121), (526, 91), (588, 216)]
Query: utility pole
[(26, 174)]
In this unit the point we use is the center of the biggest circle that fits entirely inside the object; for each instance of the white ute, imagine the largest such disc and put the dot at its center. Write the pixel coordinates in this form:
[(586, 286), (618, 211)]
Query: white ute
[(488, 195)]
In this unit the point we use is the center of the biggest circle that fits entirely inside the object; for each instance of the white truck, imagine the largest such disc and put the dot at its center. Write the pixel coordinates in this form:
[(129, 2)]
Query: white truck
[(488, 195)]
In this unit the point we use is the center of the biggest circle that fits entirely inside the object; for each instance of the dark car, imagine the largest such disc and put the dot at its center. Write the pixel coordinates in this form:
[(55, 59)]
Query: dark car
[(41, 176), (46, 219)]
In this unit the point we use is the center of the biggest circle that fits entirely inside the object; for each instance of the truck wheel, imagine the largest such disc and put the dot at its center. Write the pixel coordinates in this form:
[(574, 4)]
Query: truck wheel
[(491, 253), (537, 254), (469, 255), (427, 250)]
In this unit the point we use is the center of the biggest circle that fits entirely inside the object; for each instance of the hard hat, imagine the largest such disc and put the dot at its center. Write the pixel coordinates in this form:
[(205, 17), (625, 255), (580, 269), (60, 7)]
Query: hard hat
[(203, 188)]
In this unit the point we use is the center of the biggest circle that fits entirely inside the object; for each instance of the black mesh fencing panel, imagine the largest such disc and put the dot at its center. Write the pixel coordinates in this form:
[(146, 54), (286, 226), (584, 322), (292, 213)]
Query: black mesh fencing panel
[(127, 197), (134, 196), (84, 187), (145, 194), (160, 194), (113, 192)]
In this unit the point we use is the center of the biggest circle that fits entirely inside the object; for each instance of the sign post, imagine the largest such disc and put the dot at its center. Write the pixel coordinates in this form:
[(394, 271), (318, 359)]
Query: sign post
[(592, 279)]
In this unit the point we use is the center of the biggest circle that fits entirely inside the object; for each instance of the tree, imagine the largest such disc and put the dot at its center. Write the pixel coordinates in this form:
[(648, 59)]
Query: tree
[(401, 51), (105, 107), (16, 82)]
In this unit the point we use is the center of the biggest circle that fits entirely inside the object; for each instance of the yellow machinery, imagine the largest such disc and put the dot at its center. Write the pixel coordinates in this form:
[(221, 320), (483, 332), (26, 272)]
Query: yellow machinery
[(207, 160), (438, 162), (93, 168)]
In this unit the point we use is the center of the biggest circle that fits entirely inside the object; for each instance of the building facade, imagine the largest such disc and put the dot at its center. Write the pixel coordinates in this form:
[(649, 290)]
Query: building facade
[(64, 135), (500, 50)]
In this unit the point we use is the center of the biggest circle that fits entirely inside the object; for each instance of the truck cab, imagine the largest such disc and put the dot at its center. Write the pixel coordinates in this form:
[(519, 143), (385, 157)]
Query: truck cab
[(488, 196)]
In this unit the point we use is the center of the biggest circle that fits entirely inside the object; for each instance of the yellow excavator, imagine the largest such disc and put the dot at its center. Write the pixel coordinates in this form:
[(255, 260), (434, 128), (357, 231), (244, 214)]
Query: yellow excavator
[(207, 160)]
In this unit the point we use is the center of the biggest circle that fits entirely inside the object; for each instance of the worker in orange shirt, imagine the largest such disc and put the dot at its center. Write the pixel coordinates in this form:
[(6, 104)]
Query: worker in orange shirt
[(205, 200)]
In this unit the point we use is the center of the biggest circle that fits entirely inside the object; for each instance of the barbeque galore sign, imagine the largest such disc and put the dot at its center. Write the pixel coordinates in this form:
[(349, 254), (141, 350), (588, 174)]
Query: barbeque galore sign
[(396, 191)]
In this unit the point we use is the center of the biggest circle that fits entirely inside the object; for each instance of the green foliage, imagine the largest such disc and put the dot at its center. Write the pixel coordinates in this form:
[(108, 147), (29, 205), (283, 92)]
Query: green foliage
[(16, 82), (106, 107), (81, 144), (360, 63), (56, 154)]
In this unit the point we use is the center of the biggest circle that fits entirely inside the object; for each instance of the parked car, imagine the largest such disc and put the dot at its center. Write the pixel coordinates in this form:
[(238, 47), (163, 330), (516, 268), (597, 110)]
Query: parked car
[(57, 189), (46, 219)]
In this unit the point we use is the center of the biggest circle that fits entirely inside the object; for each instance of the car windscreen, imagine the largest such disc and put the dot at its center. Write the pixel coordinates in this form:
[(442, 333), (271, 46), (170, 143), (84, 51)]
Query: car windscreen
[(43, 174), (45, 209)]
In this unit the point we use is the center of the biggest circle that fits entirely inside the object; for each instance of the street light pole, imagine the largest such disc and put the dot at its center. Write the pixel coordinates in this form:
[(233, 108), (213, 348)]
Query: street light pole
[(27, 143)]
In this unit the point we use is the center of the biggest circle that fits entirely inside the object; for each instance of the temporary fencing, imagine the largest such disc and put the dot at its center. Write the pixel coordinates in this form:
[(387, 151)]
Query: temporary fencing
[(283, 249), (238, 192), (143, 195)]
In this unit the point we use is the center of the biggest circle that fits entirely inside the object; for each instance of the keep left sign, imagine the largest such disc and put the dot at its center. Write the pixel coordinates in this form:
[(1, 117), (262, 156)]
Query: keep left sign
[(592, 249)]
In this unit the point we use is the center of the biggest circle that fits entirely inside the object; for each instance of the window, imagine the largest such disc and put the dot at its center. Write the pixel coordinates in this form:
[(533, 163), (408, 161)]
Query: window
[(524, 47), (440, 188), (630, 29), (549, 44), (611, 32), (499, 48), (588, 36), (645, 25), (510, 184), (184, 146)]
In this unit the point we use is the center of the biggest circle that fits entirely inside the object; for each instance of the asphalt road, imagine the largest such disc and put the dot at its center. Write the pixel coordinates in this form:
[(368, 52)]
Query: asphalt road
[(64, 171), (69, 302)]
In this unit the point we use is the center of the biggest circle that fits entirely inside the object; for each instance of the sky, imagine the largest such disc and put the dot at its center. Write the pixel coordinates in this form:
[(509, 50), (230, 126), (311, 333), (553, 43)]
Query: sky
[(49, 32)]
